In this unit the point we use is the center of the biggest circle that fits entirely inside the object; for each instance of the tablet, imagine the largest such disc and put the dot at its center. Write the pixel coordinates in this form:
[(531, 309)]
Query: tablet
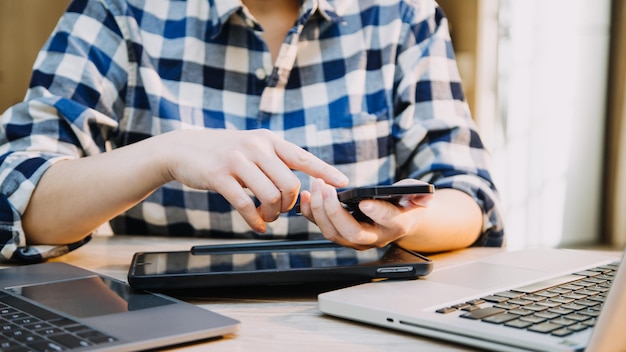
[(272, 263)]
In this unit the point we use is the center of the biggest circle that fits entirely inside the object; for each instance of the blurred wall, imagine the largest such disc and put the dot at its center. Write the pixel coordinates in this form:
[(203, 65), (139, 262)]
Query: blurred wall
[(24, 27)]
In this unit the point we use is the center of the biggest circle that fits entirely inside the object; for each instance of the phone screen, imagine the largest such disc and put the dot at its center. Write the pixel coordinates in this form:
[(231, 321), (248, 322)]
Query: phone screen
[(166, 263)]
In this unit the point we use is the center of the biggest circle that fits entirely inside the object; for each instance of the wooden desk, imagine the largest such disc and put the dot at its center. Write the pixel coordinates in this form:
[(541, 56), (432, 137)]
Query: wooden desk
[(276, 320)]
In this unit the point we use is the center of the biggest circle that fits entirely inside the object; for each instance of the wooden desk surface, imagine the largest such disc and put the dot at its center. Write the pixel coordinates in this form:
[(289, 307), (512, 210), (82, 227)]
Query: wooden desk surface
[(275, 320)]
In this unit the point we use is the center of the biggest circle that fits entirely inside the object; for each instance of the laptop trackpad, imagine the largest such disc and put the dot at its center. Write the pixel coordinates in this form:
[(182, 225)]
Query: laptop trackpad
[(484, 275)]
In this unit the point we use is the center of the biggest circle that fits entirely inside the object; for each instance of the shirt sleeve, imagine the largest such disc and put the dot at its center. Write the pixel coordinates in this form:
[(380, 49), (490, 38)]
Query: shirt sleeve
[(73, 104), (438, 141)]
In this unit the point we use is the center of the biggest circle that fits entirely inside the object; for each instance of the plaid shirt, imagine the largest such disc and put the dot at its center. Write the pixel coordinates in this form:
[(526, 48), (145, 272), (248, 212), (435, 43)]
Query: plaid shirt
[(369, 86)]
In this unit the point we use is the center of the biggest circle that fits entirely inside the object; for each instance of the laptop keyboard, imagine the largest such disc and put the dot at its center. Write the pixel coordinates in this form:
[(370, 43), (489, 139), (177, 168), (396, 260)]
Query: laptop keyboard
[(27, 327), (560, 306)]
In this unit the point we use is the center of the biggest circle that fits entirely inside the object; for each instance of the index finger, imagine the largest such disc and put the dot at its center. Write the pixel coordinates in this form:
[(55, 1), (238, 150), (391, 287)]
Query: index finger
[(299, 159)]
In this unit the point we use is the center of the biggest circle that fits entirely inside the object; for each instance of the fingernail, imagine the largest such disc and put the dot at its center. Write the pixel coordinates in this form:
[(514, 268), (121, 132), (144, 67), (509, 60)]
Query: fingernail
[(366, 206), (420, 202), (328, 192), (342, 180), (315, 185), (261, 227)]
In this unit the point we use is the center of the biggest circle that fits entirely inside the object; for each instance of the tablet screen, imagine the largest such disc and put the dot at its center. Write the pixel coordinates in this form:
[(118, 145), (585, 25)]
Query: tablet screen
[(272, 263), (154, 263)]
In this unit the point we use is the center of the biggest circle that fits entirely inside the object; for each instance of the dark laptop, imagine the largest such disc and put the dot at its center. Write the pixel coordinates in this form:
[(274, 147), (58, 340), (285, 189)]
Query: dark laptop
[(60, 307)]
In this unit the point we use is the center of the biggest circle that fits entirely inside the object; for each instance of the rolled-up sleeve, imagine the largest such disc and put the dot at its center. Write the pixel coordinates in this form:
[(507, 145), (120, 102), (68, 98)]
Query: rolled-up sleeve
[(438, 141)]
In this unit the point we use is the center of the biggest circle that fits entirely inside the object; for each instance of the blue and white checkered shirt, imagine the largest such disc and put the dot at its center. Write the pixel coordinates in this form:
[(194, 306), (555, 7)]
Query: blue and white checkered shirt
[(369, 86)]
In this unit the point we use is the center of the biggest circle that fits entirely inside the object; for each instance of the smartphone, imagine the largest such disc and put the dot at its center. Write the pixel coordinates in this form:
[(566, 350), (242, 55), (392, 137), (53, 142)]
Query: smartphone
[(351, 197), (272, 263), (391, 193)]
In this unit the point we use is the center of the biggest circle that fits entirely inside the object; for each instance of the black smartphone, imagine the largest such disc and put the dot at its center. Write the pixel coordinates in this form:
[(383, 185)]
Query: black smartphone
[(272, 263), (391, 193), (351, 197)]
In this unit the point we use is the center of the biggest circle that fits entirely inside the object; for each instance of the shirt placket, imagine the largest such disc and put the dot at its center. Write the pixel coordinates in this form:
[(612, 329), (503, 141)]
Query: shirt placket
[(273, 96)]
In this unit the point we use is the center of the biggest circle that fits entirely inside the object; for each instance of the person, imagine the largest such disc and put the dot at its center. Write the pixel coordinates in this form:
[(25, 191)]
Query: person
[(213, 118)]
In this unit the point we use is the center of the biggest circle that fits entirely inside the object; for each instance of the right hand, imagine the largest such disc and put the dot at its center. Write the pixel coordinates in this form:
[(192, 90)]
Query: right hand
[(231, 161)]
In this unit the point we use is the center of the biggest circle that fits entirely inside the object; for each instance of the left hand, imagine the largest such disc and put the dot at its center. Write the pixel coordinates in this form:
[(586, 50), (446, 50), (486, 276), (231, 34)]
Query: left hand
[(390, 222)]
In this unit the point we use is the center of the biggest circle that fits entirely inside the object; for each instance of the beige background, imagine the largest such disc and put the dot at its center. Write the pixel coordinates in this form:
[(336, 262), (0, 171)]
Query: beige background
[(24, 27)]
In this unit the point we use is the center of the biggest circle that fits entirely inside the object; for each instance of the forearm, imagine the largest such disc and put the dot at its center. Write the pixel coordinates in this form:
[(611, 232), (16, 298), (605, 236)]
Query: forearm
[(452, 220), (74, 197)]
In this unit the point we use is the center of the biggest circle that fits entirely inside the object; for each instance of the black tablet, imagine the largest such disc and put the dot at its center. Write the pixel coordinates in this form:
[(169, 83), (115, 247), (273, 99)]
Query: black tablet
[(272, 263)]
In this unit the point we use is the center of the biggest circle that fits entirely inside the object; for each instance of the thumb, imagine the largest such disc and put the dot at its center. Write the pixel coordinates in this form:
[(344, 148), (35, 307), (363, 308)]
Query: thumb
[(415, 201), (376, 209)]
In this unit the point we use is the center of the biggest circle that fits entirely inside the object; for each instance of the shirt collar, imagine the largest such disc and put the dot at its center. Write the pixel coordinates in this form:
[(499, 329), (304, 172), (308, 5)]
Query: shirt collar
[(327, 10), (223, 9)]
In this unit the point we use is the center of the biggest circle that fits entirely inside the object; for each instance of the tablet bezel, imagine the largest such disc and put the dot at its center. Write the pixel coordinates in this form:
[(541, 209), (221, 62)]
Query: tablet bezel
[(417, 266)]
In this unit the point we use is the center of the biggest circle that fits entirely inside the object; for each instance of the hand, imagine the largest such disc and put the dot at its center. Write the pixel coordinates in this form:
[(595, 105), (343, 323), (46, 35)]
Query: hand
[(390, 222), (229, 162)]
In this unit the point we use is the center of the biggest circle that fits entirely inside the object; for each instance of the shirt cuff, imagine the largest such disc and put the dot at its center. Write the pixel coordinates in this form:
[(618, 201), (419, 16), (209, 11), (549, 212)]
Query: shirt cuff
[(13, 247)]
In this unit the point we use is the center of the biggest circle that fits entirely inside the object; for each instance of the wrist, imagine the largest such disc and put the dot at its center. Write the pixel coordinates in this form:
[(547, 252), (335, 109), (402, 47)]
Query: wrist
[(160, 155)]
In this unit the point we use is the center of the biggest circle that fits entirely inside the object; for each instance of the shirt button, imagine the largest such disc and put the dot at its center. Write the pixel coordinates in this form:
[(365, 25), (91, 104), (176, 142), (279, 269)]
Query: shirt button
[(260, 73)]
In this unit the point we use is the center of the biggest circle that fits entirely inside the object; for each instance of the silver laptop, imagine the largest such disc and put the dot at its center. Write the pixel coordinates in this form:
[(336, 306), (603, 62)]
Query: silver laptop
[(60, 307), (533, 299)]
